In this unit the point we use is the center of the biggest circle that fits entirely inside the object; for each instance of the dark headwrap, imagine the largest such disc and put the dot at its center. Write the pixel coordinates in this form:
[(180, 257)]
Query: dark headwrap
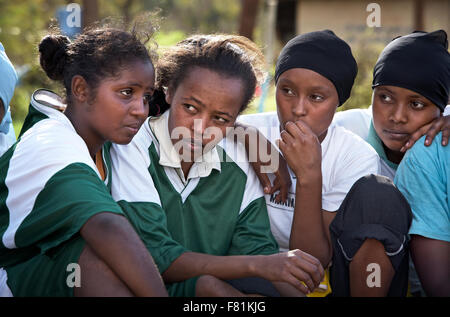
[(419, 62), (324, 53)]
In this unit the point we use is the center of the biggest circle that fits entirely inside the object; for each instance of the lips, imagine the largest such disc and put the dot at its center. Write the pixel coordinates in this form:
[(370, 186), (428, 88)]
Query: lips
[(396, 135), (134, 127), (194, 143)]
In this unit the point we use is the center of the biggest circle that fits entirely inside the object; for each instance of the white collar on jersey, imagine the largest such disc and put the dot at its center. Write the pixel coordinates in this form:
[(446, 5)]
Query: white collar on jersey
[(169, 157)]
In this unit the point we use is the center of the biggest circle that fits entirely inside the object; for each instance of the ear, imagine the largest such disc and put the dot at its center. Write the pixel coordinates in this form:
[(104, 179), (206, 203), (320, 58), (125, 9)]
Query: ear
[(169, 96), (80, 89)]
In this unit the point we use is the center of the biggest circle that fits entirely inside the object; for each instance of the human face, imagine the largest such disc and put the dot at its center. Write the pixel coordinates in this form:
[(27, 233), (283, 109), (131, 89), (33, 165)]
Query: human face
[(397, 113), (203, 105), (305, 95), (121, 105)]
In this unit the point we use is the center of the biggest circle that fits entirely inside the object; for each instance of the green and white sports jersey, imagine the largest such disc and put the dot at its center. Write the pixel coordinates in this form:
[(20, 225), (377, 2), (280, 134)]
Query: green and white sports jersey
[(222, 213), (49, 186)]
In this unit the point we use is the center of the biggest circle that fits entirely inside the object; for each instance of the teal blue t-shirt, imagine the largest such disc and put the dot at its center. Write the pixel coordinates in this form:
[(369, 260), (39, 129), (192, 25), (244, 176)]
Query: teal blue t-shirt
[(423, 177)]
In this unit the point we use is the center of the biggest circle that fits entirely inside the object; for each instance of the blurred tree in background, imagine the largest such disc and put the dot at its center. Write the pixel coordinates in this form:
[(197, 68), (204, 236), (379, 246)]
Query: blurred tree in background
[(23, 23)]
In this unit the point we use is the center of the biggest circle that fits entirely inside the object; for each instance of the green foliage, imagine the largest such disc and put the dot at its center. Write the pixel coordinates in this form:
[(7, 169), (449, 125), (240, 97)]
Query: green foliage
[(366, 52), (25, 22)]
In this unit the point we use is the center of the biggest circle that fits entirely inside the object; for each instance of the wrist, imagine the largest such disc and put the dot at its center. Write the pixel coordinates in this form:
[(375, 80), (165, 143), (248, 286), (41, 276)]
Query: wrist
[(254, 265), (310, 178)]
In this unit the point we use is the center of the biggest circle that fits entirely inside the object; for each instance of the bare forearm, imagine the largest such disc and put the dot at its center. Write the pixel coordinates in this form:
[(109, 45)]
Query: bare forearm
[(307, 232), (114, 240), (432, 261), (293, 267), (192, 264)]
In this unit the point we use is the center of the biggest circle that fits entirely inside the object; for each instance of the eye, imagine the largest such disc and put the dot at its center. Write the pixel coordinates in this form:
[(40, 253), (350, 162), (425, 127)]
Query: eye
[(385, 98), (222, 120), (316, 97), (417, 105), (190, 108), (126, 92), (287, 91)]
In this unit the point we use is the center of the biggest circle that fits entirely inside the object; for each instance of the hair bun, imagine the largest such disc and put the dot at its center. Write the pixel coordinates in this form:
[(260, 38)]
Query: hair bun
[(53, 55)]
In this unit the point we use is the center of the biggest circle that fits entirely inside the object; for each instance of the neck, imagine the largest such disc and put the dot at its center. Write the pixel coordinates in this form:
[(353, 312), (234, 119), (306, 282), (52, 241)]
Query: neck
[(93, 142), (186, 167), (393, 156), (322, 136)]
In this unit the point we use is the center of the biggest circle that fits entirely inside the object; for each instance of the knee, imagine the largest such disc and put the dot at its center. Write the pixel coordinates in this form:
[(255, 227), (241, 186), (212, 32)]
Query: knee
[(370, 250), (375, 199), (371, 256), (374, 186)]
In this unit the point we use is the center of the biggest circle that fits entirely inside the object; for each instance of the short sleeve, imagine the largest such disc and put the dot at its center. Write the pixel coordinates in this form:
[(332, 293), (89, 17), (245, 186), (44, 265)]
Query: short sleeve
[(150, 222), (68, 200), (423, 181), (252, 234), (133, 187)]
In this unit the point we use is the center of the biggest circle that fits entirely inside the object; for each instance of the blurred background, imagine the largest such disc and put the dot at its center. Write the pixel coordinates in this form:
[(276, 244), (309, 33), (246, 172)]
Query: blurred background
[(366, 25)]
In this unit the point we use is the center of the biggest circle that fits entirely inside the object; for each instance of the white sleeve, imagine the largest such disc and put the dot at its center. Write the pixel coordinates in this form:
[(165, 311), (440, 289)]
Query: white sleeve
[(355, 120), (131, 180), (447, 111)]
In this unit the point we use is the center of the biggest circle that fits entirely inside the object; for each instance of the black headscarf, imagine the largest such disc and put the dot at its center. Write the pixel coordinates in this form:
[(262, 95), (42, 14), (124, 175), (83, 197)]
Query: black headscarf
[(419, 62), (324, 53)]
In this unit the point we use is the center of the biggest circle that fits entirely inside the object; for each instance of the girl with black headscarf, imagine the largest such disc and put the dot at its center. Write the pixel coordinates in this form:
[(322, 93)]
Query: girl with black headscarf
[(334, 212), (411, 82)]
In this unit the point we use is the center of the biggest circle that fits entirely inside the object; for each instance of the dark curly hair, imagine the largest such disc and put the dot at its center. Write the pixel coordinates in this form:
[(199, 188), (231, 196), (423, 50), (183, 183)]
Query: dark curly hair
[(230, 55), (99, 52)]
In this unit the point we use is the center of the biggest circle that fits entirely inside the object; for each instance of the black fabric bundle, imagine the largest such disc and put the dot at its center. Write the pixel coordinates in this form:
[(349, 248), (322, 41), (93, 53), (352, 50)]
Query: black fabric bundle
[(419, 62), (324, 53)]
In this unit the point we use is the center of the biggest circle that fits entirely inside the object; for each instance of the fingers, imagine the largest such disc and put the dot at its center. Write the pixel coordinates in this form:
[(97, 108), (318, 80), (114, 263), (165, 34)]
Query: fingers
[(298, 284), (283, 186), (304, 128), (285, 177), (265, 182), (430, 130), (445, 130), (310, 265), (416, 136), (284, 191), (314, 261), (445, 136), (433, 131), (306, 269), (276, 187), (296, 131)]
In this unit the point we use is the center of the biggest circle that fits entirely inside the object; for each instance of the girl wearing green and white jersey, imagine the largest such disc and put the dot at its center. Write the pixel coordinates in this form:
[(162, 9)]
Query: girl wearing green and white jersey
[(191, 192), (61, 232)]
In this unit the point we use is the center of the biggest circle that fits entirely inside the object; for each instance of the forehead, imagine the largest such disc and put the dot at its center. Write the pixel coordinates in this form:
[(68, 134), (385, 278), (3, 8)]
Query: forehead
[(303, 77), (213, 89), (139, 72), (399, 91)]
